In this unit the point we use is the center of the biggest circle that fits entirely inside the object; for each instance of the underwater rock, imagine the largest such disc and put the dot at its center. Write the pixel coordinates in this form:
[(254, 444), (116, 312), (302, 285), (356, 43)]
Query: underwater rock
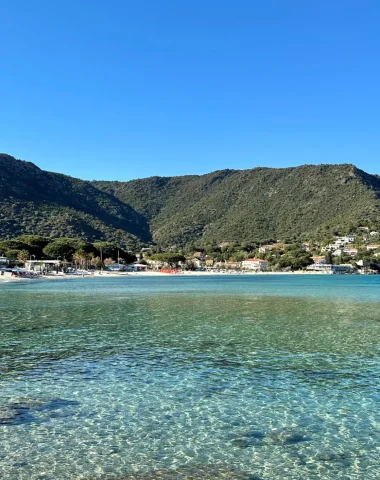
[(287, 437), (343, 458), (256, 438), (16, 415), (249, 439), (21, 412)]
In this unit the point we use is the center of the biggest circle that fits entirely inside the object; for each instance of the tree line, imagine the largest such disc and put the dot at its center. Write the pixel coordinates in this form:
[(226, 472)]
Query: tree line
[(36, 247)]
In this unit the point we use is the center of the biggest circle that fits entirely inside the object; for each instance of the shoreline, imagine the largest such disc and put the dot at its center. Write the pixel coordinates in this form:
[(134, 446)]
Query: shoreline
[(9, 279)]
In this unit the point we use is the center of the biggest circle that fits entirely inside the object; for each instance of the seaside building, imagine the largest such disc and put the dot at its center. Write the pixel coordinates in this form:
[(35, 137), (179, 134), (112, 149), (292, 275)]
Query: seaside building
[(255, 264), (231, 264), (136, 267), (351, 251), (328, 268), (46, 266), (4, 261), (373, 246)]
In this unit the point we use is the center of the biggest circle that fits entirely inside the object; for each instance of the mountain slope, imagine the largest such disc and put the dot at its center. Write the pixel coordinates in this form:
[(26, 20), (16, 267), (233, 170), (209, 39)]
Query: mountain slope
[(253, 205), (51, 204), (228, 205)]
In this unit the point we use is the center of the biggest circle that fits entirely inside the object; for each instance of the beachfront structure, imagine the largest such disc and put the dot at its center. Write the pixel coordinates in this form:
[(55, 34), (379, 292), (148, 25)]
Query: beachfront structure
[(45, 266), (136, 267), (255, 264), (231, 264), (328, 268), (4, 261)]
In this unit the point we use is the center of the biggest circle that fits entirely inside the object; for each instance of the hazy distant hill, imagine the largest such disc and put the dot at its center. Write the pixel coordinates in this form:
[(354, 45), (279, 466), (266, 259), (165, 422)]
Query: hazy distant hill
[(227, 205)]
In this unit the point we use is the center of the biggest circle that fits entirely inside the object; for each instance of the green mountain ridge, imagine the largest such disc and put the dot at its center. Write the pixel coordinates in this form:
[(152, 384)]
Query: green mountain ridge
[(227, 205), (51, 204)]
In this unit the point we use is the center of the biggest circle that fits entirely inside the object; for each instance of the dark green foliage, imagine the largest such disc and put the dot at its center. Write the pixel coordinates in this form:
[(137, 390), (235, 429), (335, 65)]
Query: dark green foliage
[(254, 205), (61, 248), (111, 250), (170, 258), (33, 201), (13, 244), (248, 206)]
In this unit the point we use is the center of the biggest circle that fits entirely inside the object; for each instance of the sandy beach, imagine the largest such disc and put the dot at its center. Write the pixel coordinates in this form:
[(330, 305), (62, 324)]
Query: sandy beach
[(6, 278)]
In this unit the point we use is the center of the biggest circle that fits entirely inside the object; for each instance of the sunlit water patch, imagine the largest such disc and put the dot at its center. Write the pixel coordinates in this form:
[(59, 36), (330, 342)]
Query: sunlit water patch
[(186, 378)]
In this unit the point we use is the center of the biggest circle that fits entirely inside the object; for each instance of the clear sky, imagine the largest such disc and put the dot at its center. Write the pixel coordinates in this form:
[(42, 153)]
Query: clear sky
[(121, 89)]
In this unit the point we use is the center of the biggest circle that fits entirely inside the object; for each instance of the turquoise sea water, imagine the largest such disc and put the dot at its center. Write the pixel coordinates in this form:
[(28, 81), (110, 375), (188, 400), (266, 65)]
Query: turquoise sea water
[(244, 377)]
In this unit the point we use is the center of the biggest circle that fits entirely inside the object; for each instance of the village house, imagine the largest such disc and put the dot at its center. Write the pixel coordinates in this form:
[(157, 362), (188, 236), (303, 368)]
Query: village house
[(209, 262), (344, 240), (255, 264), (351, 251), (231, 264), (319, 260), (373, 246), (270, 247)]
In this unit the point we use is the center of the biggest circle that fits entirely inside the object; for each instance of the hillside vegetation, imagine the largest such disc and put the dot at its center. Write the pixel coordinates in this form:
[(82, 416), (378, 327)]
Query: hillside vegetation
[(225, 206), (253, 205), (33, 201)]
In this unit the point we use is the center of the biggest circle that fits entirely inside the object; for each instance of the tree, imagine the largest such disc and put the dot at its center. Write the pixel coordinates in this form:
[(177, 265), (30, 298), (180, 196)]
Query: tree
[(329, 258), (23, 255), (171, 258), (14, 244), (60, 248), (35, 243)]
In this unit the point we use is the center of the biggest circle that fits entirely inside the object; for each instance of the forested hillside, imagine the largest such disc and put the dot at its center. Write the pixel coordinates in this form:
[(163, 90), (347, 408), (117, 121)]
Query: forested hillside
[(253, 205), (229, 205), (33, 201)]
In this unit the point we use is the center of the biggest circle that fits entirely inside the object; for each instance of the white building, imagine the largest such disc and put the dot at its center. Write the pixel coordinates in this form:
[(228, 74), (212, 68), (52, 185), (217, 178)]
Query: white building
[(45, 265), (351, 251), (327, 268), (4, 261), (255, 264)]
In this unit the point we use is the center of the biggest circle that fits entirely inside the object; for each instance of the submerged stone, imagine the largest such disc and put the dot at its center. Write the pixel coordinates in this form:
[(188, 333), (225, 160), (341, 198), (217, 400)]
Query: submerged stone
[(21, 412), (250, 439), (288, 437)]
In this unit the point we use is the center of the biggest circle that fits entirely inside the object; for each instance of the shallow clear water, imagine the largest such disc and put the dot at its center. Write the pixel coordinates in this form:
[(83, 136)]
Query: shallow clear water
[(267, 377)]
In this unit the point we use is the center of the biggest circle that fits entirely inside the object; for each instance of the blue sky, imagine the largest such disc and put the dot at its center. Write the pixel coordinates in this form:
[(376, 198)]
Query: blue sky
[(122, 89)]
